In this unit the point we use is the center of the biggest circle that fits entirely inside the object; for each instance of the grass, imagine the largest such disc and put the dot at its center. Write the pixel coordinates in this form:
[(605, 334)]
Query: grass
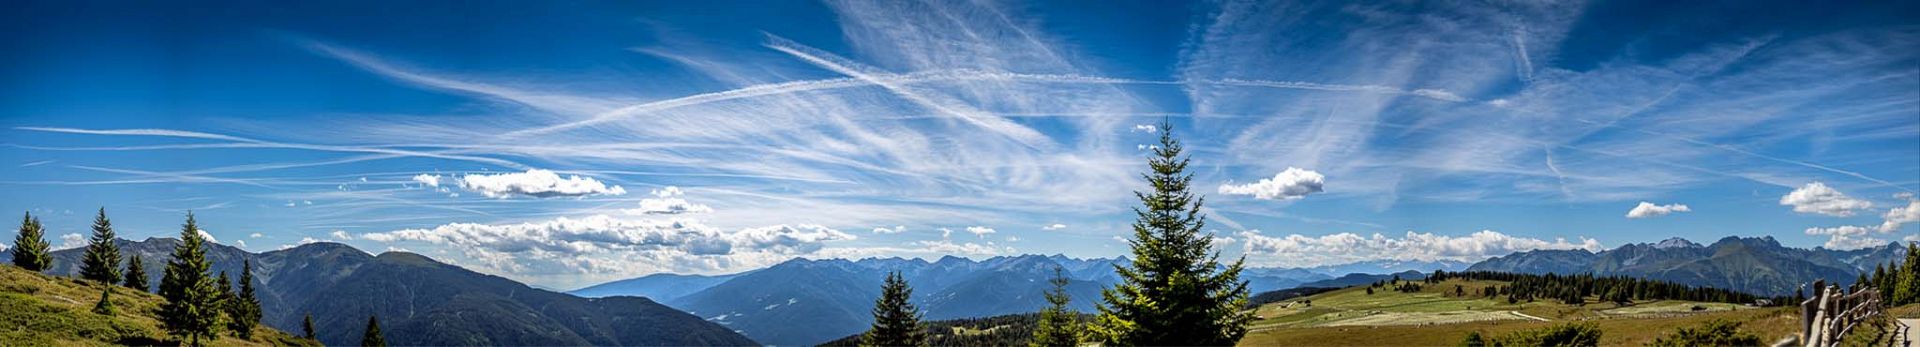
[(1435, 317), (42, 310)]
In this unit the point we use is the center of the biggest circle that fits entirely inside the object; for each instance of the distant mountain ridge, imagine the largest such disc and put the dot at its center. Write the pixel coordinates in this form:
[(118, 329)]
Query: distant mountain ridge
[(1754, 265), (424, 302), (834, 295)]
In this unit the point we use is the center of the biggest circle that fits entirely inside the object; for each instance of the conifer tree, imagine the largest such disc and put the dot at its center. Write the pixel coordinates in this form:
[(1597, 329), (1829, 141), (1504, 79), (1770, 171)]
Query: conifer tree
[(30, 246), (373, 337), (224, 287), (306, 326), (243, 308), (136, 274), (1175, 292), (895, 321), (101, 261), (105, 306), (1058, 326), (191, 313)]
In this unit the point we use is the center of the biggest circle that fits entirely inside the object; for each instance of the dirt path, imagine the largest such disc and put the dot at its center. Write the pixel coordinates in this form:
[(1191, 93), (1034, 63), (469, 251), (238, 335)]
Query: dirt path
[(1913, 337), (1523, 315)]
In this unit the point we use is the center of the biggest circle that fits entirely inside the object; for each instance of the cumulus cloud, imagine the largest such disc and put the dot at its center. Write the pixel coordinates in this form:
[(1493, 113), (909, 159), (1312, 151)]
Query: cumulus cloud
[(427, 180), (208, 236), (1648, 210), (536, 183), (1145, 128), (1817, 198), (1901, 215), (1299, 250), (667, 201), (340, 235), (968, 248), (1847, 237), (894, 230), (1054, 226), (602, 233), (254, 235), (980, 231), (71, 241), (1293, 183)]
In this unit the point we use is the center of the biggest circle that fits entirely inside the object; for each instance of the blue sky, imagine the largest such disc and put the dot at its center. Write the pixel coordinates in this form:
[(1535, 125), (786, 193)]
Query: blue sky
[(571, 143)]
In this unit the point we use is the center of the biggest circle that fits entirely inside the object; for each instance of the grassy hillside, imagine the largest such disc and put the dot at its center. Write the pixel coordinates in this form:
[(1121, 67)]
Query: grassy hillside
[(1434, 316), (42, 310)]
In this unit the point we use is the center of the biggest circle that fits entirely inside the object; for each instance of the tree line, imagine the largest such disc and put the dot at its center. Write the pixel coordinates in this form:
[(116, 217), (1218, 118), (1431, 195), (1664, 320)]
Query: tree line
[(1176, 291), (198, 307), (1574, 289), (1898, 280)]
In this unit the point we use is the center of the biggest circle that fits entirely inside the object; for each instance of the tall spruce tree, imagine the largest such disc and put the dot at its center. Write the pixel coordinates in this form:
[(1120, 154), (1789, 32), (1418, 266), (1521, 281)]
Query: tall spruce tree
[(895, 321), (306, 326), (191, 313), (373, 337), (101, 261), (243, 309), (1175, 292), (136, 274), (30, 246), (1058, 326)]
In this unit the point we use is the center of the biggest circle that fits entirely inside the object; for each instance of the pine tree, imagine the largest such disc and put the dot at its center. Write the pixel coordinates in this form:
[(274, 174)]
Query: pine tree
[(306, 326), (1473, 340), (30, 247), (223, 285), (896, 322), (243, 309), (136, 274), (1058, 326), (191, 312), (101, 261), (1175, 292), (105, 306), (373, 337)]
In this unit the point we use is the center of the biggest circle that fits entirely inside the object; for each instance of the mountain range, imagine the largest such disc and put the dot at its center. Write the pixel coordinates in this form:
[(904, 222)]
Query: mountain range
[(424, 302), (1753, 265)]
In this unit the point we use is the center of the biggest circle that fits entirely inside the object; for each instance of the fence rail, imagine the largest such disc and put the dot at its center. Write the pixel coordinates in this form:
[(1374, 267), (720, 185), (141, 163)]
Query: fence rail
[(1831, 312)]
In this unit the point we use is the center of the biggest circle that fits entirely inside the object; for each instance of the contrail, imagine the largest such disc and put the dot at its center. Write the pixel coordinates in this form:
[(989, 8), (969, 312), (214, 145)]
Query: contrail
[(983, 119), (267, 144)]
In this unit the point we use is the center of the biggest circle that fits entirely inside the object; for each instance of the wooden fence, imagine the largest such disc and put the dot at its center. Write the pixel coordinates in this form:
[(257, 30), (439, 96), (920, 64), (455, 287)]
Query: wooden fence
[(1832, 312)]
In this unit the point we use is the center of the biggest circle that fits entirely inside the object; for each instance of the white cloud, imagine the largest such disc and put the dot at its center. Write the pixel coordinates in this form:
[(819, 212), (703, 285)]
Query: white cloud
[(254, 235), (894, 230), (1901, 215), (536, 183), (1011, 238), (1909, 238), (205, 235), (1054, 226), (668, 201), (1298, 250), (3, 246), (340, 235), (1648, 209), (968, 248), (428, 180), (1293, 183), (1146, 128), (602, 233), (946, 233), (241, 243), (1847, 237), (71, 241), (1816, 197), (980, 231)]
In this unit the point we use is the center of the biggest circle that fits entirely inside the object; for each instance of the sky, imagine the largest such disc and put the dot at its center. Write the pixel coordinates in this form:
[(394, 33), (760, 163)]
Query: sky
[(570, 143)]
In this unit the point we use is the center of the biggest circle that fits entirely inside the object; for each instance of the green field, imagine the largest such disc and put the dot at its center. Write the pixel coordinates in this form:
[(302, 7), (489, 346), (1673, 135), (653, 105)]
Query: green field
[(42, 310), (1435, 316)]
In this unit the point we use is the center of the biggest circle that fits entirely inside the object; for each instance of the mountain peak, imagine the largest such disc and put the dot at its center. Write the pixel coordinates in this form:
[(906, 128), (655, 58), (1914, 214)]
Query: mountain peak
[(1676, 243)]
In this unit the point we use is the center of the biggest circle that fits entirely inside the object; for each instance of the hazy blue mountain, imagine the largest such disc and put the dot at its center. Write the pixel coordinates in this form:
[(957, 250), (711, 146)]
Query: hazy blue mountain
[(659, 287), (1356, 279), (1388, 266), (1755, 265), (424, 302)]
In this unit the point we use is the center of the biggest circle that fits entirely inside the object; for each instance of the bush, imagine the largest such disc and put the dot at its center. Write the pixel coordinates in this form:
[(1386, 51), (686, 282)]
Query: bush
[(1581, 335), (1713, 333)]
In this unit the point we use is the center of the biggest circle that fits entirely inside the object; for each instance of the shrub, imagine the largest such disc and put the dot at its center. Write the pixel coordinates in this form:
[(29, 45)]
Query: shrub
[(1582, 335), (1713, 333)]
